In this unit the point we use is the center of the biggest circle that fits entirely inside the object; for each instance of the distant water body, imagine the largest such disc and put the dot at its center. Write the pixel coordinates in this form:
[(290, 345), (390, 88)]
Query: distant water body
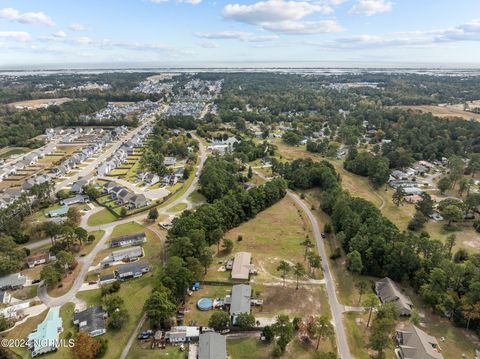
[(320, 68)]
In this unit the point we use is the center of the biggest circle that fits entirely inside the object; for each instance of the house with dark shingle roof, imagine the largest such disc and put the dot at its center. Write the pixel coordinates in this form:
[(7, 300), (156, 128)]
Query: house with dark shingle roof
[(132, 270), (128, 240), (414, 343), (388, 291), (91, 321)]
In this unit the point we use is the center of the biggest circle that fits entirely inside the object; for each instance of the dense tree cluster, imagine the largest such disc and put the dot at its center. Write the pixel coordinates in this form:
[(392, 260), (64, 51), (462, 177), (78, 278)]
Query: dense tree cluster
[(376, 168), (304, 174)]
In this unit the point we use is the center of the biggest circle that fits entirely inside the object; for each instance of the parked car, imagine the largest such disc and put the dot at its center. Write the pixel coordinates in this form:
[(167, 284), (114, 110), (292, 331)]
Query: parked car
[(35, 281)]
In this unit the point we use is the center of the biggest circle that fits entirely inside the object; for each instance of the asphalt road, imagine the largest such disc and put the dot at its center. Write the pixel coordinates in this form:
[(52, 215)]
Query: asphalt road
[(336, 308), (87, 261)]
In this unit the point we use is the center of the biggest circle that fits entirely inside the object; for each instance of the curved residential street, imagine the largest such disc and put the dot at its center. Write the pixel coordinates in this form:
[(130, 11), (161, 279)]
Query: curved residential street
[(336, 308), (86, 262)]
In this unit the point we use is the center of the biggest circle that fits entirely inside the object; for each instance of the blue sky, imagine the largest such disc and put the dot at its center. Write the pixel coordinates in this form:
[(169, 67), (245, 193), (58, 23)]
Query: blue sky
[(241, 31)]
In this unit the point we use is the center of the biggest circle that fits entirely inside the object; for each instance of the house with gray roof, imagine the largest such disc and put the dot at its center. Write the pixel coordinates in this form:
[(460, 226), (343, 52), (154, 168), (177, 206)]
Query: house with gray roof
[(77, 187), (132, 270), (12, 281), (388, 291), (128, 240), (74, 200), (137, 201), (414, 343), (91, 321), (127, 254), (239, 300), (212, 346)]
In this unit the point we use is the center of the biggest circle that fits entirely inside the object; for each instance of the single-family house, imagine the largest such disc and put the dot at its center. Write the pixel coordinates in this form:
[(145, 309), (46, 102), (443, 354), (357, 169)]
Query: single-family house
[(38, 259), (107, 279), (414, 343), (91, 321), (137, 201), (388, 291), (59, 212), (151, 178), (182, 334), (132, 270), (241, 265), (74, 200), (212, 346), (45, 338), (239, 301), (127, 254), (12, 281), (128, 240), (77, 187), (169, 161)]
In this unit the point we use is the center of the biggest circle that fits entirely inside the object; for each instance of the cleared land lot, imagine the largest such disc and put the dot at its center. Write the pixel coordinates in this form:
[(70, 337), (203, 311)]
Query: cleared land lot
[(446, 112), (34, 104)]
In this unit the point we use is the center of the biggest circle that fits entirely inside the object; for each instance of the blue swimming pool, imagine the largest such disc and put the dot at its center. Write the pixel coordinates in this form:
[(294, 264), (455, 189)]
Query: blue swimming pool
[(205, 304)]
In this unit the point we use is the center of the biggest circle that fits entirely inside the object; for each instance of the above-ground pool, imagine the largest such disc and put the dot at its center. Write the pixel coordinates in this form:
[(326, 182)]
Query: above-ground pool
[(205, 304)]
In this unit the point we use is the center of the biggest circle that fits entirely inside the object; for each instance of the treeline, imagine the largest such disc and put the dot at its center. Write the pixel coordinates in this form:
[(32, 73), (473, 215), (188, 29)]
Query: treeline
[(190, 239), (375, 246), (305, 173), (219, 176), (376, 168), (17, 128)]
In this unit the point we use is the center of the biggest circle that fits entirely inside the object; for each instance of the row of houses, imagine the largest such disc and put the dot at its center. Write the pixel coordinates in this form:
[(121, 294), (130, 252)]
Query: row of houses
[(121, 155), (29, 159), (124, 197), (150, 179), (412, 342), (76, 159)]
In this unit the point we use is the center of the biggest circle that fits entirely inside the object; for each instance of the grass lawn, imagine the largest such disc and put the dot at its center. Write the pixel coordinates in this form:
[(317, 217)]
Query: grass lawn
[(25, 293), (87, 247), (102, 217), (141, 350), (273, 235), (66, 282), (243, 349), (196, 197), (23, 330), (134, 292), (177, 208), (15, 151)]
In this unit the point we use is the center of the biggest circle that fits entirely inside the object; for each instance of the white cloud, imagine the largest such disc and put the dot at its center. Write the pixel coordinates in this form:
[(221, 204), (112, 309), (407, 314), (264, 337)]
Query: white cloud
[(15, 35), (26, 18), (76, 26), (208, 44), (238, 35), (284, 16), (465, 32), (371, 7), (60, 34), (83, 40)]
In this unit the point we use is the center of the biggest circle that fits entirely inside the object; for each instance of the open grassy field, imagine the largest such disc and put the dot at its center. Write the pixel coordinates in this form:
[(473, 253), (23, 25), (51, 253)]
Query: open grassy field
[(446, 112), (134, 292), (178, 208), (296, 349), (34, 104), (273, 235), (8, 152), (102, 217)]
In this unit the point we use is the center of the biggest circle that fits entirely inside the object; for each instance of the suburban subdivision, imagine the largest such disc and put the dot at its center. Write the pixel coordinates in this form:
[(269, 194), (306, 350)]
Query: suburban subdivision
[(214, 214)]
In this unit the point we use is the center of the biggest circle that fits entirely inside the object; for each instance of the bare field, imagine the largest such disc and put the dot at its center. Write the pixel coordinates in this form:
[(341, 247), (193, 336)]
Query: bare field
[(446, 112), (34, 104)]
